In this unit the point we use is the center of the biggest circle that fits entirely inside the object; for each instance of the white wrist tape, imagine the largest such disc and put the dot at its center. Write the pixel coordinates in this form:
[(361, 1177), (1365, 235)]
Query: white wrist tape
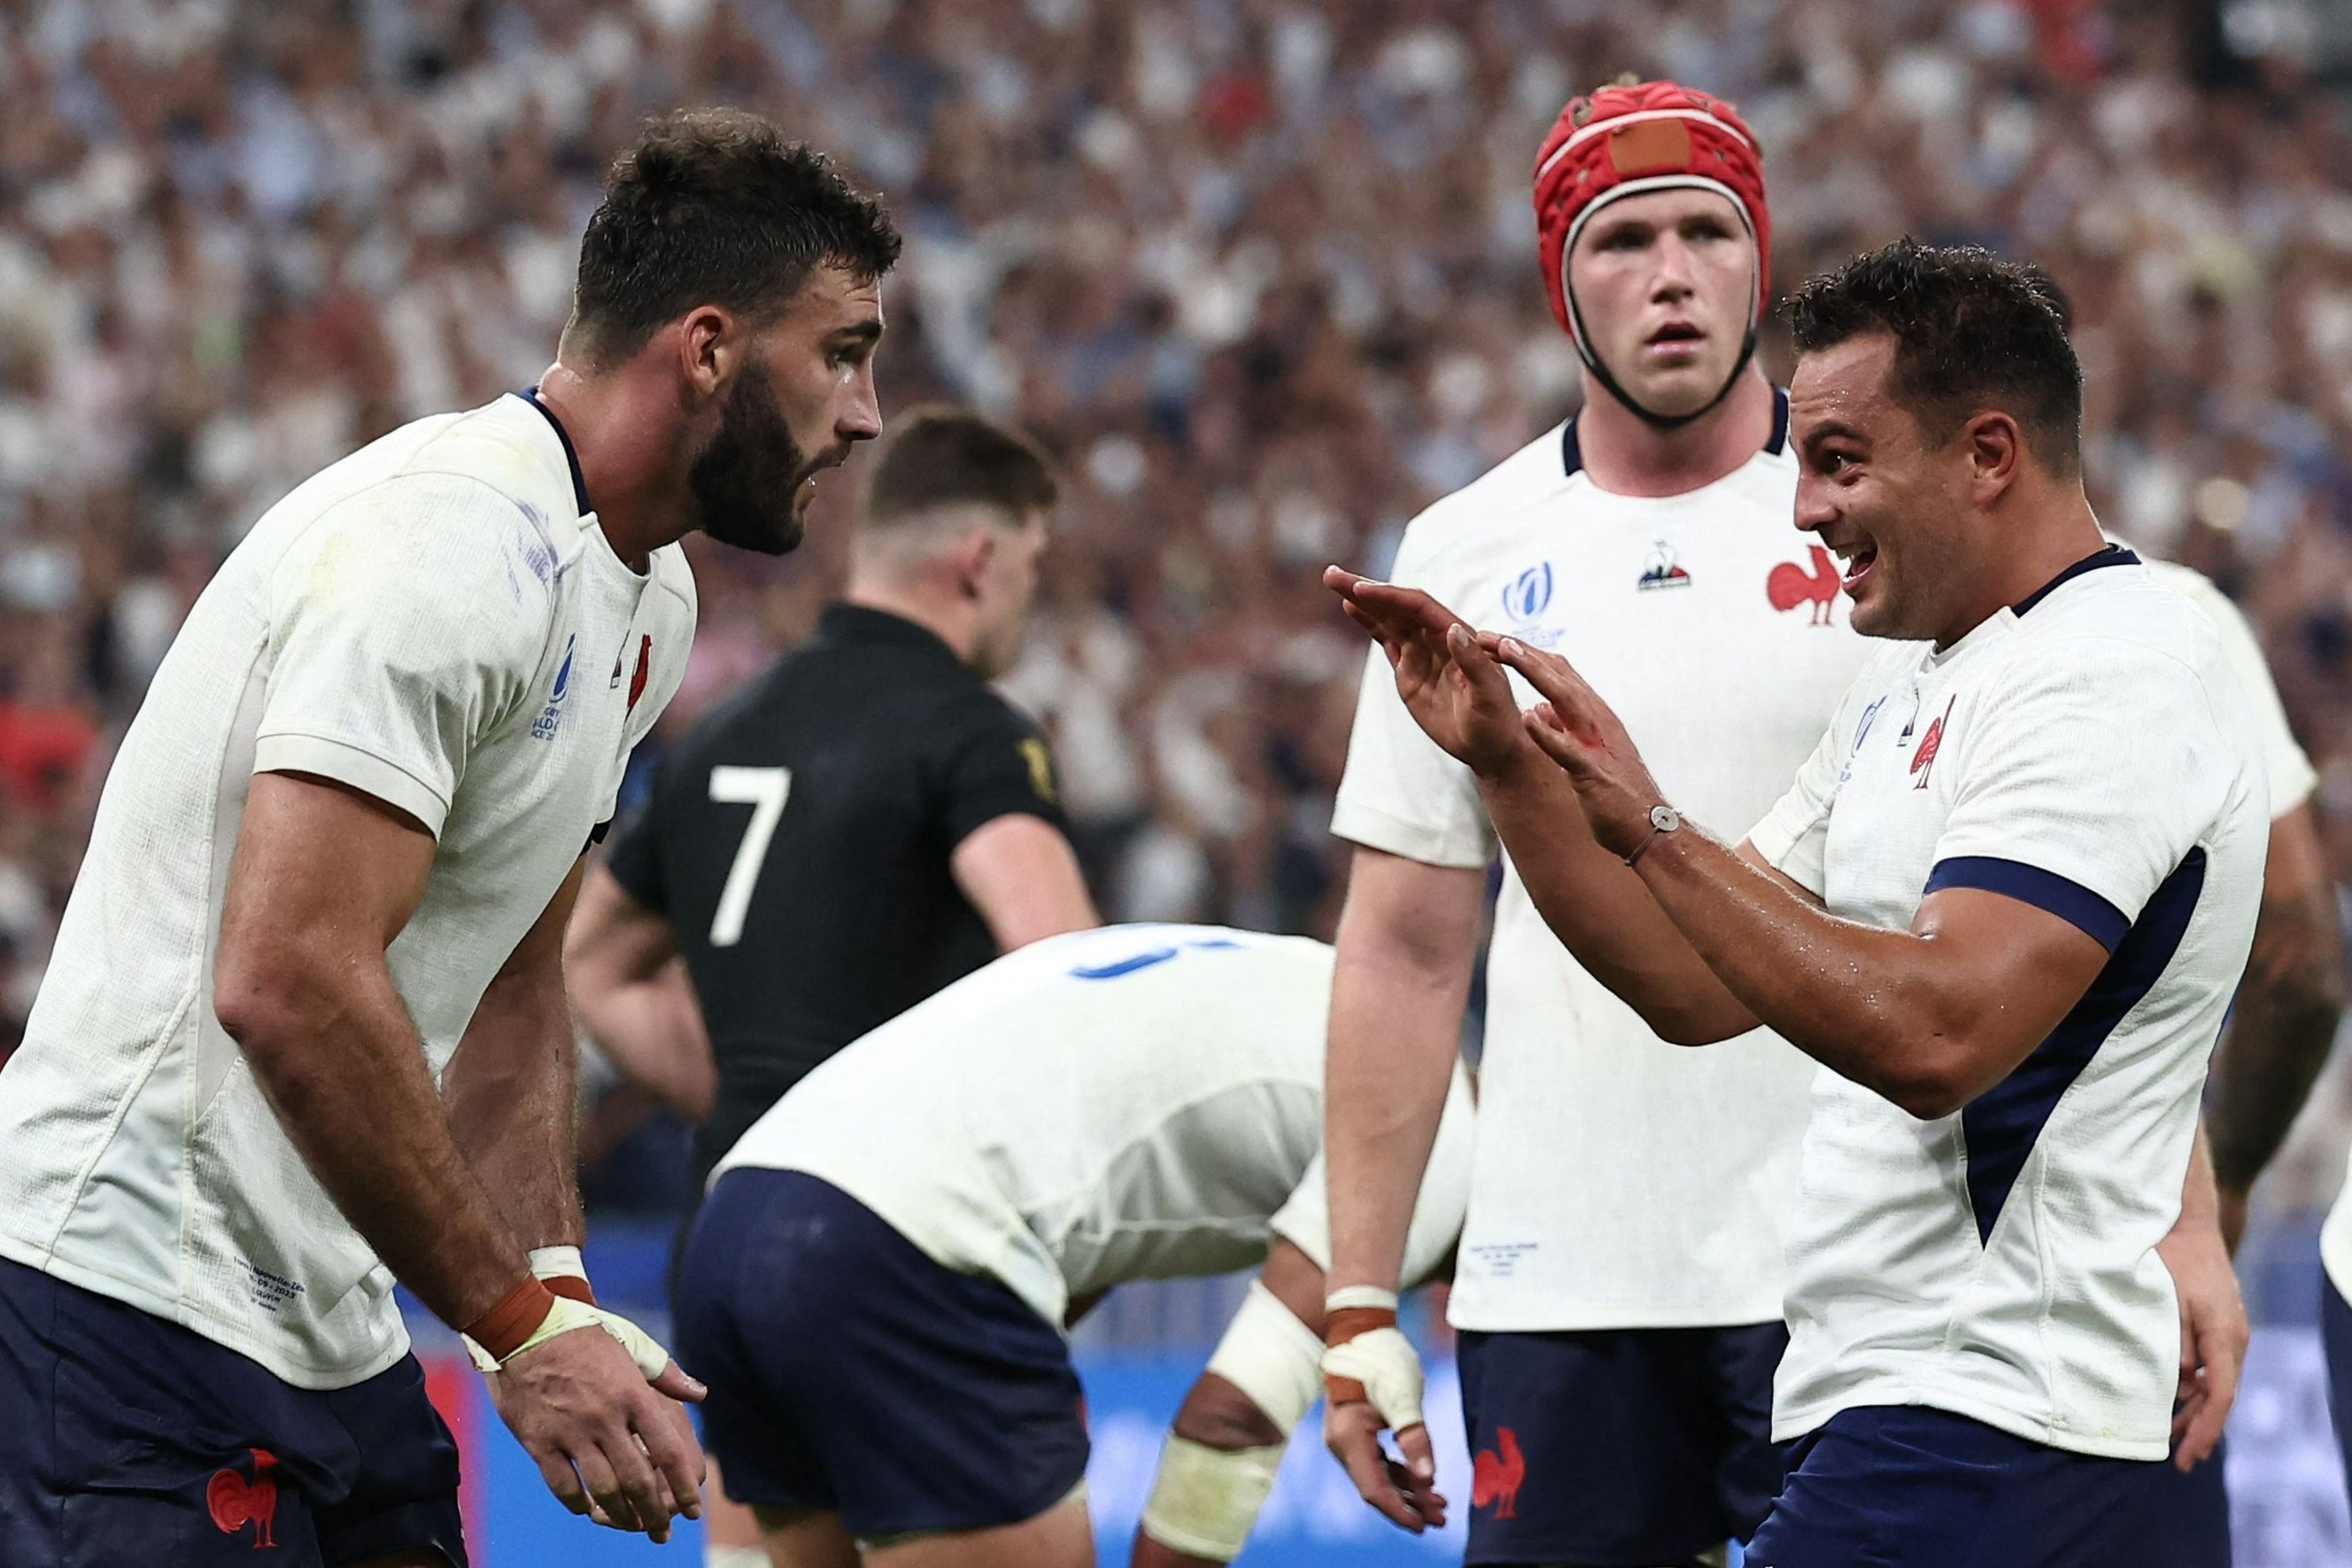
[(567, 1315), (558, 1263), (1360, 1296), (1271, 1356), (1385, 1363), (1206, 1499), (734, 1557)]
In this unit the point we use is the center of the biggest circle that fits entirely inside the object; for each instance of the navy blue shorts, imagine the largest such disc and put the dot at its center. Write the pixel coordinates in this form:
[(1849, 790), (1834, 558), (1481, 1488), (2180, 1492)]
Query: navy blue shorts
[(2335, 1338), (849, 1373), (1906, 1486), (2186, 1517), (135, 1442), (1618, 1445)]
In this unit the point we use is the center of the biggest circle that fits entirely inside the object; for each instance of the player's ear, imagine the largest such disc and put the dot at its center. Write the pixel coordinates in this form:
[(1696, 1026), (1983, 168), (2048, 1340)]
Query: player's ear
[(710, 347), (974, 556), (1995, 449)]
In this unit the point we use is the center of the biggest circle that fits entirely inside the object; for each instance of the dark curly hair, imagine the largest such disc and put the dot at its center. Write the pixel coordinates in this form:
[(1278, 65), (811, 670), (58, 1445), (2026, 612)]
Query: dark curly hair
[(1972, 332), (713, 206)]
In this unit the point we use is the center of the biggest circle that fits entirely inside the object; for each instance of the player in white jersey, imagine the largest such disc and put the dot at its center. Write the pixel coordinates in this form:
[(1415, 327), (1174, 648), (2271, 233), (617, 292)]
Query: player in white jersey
[(304, 1033), (2004, 907), (878, 1286), (1618, 1290), (2281, 1024)]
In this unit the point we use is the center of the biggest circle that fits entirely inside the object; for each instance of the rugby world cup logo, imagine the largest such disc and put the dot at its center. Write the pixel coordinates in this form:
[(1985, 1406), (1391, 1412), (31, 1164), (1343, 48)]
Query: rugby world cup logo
[(1527, 595)]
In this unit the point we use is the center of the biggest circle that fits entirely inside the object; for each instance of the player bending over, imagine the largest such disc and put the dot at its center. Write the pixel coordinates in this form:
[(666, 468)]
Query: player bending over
[(2005, 904), (304, 1033), (878, 1286)]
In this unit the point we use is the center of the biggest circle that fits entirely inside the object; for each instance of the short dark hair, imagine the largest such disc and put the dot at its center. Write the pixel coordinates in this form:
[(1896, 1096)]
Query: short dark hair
[(938, 455), (713, 206), (1972, 332)]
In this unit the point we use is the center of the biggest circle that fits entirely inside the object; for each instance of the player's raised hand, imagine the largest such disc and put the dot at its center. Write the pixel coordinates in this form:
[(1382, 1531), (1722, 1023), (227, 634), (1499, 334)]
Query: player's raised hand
[(602, 1420), (1576, 730), (1458, 695)]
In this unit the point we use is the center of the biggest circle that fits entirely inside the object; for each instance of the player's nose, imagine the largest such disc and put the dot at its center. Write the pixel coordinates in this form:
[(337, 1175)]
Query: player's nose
[(860, 418)]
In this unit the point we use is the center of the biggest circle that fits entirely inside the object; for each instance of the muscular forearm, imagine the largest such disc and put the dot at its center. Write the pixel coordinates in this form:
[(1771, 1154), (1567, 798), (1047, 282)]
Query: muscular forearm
[(651, 1032), (1600, 910), (2284, 1022), (513, 1099), (1392, 1044), (1930, 1017), (1407, 943), (334, 1049)]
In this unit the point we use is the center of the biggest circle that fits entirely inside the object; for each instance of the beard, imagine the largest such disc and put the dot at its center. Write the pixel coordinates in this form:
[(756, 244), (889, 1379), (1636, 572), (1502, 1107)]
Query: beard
[(749, 486)]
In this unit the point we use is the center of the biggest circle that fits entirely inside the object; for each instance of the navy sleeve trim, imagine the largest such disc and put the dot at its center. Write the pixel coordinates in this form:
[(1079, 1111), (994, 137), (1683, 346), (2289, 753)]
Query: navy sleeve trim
[(2069, 901)]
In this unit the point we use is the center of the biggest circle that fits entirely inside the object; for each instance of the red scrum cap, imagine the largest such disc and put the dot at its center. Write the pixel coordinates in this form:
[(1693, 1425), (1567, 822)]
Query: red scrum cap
[(1650, 136)]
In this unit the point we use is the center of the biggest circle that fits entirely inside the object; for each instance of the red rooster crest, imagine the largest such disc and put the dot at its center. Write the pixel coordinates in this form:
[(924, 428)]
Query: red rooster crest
[(1930, 743), (1495, 1480), (1790, 585), (236, 1502)]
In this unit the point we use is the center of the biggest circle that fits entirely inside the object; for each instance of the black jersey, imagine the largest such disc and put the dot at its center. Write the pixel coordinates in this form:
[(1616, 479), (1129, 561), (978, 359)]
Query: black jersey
[(797, 840)]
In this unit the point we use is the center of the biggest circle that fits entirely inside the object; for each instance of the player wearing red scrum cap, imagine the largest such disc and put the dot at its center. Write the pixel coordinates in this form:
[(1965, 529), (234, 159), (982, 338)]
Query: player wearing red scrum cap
[(1619, 1293)]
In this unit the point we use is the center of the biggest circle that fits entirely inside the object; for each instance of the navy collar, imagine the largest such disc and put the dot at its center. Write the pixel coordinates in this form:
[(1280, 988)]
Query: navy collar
[(571, 457), (2112, 555), (1572, 457)]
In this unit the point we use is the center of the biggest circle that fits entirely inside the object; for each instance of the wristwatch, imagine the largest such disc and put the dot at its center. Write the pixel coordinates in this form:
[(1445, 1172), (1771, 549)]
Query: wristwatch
[(1664, 819)]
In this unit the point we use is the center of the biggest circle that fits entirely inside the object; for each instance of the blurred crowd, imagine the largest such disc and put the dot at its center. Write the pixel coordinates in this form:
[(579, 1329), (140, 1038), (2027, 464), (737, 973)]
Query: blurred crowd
[(1261, 273)]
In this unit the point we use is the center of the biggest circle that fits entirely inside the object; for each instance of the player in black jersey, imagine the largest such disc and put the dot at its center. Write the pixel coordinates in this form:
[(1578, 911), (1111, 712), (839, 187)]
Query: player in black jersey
[(857, 827)]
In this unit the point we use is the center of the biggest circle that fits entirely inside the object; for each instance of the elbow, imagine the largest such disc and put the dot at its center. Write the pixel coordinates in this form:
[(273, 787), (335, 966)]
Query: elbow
[(1931, 1085), (1676, 1029), (269, 1006), (1928, 1099)]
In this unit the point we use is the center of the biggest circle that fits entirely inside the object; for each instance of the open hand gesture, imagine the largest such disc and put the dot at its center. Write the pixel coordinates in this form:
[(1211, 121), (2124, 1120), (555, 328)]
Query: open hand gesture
[(1455, 691), (1576, 730)]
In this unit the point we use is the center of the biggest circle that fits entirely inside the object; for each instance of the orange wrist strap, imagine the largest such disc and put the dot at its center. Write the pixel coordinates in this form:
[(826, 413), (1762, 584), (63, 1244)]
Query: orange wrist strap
[(570, 1285), (1341, 1327), (502, 1330)]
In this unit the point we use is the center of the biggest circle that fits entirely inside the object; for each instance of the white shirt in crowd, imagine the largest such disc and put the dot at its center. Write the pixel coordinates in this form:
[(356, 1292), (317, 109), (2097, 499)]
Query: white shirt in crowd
[(1619, 1182), (1138, 1101), (2091, 752), (438, 621)]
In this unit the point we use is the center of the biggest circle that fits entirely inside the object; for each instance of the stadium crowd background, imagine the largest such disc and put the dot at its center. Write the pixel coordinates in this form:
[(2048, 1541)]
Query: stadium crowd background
[(1261, 272)]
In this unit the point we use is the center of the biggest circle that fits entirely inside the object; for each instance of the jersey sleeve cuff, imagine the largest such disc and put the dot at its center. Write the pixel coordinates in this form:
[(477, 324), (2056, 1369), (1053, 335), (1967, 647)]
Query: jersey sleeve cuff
[(2068, 900), (1773, 839), (2292, 784), (1376, 830), (363, 770)]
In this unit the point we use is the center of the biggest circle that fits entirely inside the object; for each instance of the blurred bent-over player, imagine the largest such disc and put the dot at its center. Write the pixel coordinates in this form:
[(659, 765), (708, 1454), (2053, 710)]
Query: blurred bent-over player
[(305, 1031), (877, 1288), (2004, 905), (1619, 1287), (862, 823)]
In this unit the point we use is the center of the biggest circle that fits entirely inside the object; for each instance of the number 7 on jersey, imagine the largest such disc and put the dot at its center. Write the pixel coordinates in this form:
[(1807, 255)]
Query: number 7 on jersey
[(764, 789)]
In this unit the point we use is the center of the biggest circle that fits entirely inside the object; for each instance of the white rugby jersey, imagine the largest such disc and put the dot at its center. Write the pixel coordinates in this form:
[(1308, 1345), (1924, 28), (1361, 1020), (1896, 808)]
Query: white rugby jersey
[(2090, 752), (1618, 1181), (437, 620), (2286, 770), (1138, 1101)]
